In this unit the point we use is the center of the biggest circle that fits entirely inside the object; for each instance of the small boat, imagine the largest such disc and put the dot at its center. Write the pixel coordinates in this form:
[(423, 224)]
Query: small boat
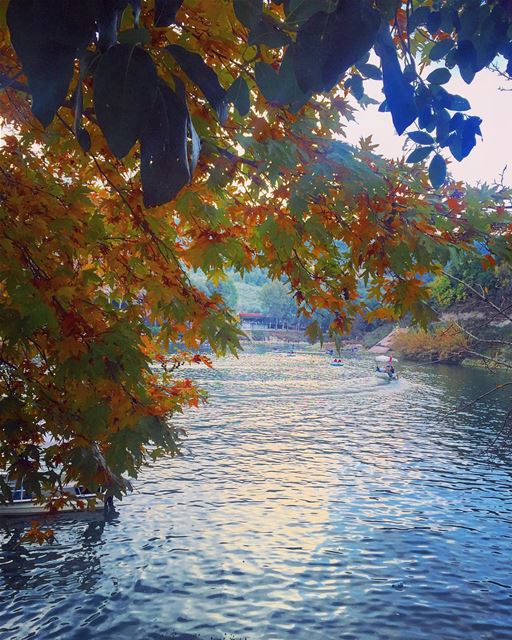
[(385, 368), (23, 503), (337, 362)]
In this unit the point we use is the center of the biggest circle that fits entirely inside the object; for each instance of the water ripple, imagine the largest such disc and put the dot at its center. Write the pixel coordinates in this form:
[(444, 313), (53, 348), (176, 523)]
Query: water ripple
[(312, 503)]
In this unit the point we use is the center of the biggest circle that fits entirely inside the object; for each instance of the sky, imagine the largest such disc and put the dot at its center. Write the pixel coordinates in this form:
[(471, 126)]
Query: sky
[(490, 156)]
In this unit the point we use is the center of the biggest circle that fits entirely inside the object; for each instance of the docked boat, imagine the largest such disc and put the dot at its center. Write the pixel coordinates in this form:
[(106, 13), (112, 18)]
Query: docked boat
[(386, 368), (23, 503)]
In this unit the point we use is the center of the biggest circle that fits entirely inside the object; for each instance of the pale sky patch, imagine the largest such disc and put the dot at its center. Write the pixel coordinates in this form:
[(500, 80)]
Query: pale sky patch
[(490, 156)]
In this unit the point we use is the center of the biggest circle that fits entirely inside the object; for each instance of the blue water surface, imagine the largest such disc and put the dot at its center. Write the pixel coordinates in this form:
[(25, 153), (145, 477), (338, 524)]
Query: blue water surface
[(312, 502)]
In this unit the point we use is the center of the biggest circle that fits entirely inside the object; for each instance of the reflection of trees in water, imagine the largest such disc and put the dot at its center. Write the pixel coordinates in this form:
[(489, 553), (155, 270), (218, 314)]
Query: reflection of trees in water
[(464, 423), (485, 412), (77, 563)]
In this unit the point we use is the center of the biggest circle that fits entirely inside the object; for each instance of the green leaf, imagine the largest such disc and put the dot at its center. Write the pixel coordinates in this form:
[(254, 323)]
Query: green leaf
[(456, 103), (419, 154), (400, 258), (418, 18), (440, 49), (299, 11), (313, 332), (203, 76), (165, 12), (125, 83), (109, 20), (370, 71), (37, 317), (94, 420), (249, 12), (84, 139), (421, 137), (195, 140), (47, 37), (267, 81), (195, 146), (434, 22), (288, 91), (268, 32), (355, 83), (87, 61), (134, 36), (63, 22), (330, 43), (108, 17), (136, 9), (399, 93), (437, 171), (238, 94), (164, 166), (439, 76), (467, 73)]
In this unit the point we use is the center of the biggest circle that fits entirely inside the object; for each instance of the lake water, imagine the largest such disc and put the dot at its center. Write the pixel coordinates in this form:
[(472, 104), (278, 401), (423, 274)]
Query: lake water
[(311, 503)]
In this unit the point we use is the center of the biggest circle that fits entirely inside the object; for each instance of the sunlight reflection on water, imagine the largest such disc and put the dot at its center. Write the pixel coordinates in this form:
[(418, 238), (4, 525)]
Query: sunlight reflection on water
[(312, 502)]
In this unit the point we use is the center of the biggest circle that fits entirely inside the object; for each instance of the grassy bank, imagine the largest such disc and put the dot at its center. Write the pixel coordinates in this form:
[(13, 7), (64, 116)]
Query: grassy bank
[(471, 339)]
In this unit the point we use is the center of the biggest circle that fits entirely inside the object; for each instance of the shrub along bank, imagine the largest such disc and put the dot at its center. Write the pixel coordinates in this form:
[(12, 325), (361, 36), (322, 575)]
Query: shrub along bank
[(445, 343)]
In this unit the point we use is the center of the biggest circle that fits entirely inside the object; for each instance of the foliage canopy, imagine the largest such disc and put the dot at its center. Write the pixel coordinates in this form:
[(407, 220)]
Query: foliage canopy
[(144, 140)]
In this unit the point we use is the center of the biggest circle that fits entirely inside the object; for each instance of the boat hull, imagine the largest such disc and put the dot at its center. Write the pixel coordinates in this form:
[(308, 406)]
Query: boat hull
[(31, 508), (382, 375)]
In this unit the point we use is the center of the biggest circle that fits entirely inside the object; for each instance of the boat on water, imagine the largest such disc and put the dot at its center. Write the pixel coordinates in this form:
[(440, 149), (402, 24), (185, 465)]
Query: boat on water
[(291, 350), (24, 503), (385, 368)]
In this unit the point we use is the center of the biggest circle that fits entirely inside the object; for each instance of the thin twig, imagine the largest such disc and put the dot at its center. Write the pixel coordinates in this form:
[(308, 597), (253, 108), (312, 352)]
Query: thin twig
[(473, 337), (496, 388), (482, 297), (500, 431), (506, 365)]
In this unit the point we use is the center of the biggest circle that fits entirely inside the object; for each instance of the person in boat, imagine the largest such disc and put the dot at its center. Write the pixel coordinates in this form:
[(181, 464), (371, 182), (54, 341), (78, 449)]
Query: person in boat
[(390, 370)]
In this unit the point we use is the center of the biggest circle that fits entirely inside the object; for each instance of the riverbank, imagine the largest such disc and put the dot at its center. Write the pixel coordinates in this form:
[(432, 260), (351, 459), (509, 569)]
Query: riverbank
[(293, 336), (472, 338)]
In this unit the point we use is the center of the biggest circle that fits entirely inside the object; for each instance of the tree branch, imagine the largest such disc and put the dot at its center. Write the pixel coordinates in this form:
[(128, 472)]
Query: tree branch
[(481, 296), (498, 387), (507, 365), (473, 337)]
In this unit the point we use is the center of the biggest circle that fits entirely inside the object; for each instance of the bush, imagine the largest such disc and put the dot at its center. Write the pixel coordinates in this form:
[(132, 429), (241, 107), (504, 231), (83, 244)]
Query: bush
[(445, 292), (444, 344)]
